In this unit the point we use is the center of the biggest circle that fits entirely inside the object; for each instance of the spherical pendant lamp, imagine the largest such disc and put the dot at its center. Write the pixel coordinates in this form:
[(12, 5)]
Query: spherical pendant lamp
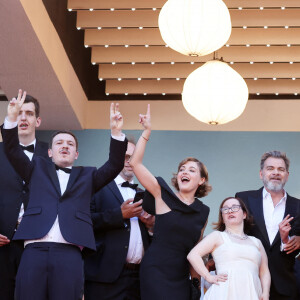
[(195, 27), (215, 93)]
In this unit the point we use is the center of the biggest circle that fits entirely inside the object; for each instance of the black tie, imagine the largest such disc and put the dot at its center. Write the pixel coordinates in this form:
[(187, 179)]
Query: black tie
[(29, 148), (130, 185), (66, 170)]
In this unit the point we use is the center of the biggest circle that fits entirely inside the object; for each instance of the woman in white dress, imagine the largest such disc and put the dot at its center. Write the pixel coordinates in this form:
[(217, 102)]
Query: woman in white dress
[(241, 262)]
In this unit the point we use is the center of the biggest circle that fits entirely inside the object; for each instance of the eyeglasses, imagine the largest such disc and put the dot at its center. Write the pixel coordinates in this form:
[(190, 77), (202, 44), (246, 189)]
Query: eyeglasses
[(233, 208)]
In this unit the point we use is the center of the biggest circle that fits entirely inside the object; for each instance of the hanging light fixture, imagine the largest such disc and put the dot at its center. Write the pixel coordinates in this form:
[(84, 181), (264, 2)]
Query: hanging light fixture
[(195, 27), (215, 93)]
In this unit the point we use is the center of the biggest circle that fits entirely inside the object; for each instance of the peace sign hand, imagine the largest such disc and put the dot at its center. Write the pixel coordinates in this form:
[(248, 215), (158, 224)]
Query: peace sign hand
[(116, 120), (15, 105), (145, 120)]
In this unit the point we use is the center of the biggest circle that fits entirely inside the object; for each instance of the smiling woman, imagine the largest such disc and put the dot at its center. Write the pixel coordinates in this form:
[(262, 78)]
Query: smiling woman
[(180, 220), (241, 261)]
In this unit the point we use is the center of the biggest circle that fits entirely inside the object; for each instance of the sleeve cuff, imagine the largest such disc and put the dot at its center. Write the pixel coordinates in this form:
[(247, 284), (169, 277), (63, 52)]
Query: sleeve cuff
[(120, 138), (9, 125), (282, 246)]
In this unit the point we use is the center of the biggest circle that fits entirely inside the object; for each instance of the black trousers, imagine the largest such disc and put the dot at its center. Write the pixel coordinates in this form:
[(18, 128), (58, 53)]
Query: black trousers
[(50, 271), (126, 287), (10, 256)]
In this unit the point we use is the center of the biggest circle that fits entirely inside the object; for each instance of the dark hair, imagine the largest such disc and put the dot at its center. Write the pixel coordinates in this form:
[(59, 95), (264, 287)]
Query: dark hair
[(205, 187), (248, 222), (275, 154), (30, 99), (62, 131)]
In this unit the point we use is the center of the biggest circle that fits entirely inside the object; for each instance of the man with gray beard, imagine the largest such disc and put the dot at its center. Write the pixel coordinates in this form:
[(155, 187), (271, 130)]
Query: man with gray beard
[(276, 223)]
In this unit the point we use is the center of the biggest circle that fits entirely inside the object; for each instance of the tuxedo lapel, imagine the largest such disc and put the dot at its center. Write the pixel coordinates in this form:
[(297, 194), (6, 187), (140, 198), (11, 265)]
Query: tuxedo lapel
[(73, 176), (53, 176), (114, 188), (256, 206)]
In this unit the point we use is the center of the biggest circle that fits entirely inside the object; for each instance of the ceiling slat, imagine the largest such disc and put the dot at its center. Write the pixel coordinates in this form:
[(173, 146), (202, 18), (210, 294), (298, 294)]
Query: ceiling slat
[(164, 54), (175, 87), (122, 4), (149, 18), (151, 36), (258, 70)]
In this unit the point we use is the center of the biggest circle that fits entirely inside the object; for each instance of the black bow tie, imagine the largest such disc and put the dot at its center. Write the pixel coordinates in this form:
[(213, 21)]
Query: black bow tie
[(29, 148), (66, 170), (130, 185)]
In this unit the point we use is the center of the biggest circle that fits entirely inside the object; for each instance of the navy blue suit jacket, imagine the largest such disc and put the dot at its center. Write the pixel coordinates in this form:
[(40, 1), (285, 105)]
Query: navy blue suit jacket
[(112, 235), (281, 265), (12, 190), (45, 199)]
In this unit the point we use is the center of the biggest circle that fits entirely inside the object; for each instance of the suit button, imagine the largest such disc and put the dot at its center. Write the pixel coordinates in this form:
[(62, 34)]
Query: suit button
[(128, 229), (126, 247), (24, 192)]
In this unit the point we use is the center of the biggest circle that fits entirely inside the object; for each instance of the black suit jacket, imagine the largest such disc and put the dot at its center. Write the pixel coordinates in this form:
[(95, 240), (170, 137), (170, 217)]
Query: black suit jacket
[(12, 190), (280, 264), (45, 199), (112, 235)]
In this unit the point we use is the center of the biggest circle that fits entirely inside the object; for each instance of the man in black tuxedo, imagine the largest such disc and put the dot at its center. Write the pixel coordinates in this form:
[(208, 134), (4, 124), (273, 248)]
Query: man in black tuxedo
[(121, 238), (14, 195), (272, 208), (57, 225)]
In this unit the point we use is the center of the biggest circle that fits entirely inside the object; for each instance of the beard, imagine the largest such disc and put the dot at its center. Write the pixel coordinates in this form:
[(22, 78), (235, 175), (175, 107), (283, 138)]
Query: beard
[(273, 186)]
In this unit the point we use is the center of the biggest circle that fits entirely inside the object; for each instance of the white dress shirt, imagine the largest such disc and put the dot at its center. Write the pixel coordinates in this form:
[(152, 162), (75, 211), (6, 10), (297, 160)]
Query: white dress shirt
[(273, 215), (136, 249)]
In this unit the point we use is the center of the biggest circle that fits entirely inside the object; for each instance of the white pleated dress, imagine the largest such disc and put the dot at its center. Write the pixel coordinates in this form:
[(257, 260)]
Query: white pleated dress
[(241, 261)]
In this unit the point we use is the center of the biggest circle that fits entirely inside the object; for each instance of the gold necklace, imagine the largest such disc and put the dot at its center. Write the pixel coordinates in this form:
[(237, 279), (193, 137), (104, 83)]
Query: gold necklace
[(240, 237)]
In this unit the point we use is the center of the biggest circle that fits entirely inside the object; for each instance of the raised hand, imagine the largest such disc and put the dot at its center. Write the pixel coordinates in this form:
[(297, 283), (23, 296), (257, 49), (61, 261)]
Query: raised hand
[(284, 228), (145, 120), (15, 105), (116, 120)]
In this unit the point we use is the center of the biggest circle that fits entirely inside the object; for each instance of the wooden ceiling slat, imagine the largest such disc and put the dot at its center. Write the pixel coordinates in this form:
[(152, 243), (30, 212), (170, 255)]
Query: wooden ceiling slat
[(145, 18), (123, 4), (261, 36), (164, 54), (259, 70), (151, 36), (262, 86), (273, 17), (149, 18), (125, 36)]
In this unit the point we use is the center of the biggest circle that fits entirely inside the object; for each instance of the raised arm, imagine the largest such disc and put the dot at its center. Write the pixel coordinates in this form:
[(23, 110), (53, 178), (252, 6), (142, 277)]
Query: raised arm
[(264, 273), (207, 245), (118, 146), (15, 155), (141, 172)]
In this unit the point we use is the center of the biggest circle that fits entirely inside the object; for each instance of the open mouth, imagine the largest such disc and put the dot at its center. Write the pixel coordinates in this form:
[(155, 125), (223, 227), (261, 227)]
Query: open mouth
[(23, 126), (185, 179)]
